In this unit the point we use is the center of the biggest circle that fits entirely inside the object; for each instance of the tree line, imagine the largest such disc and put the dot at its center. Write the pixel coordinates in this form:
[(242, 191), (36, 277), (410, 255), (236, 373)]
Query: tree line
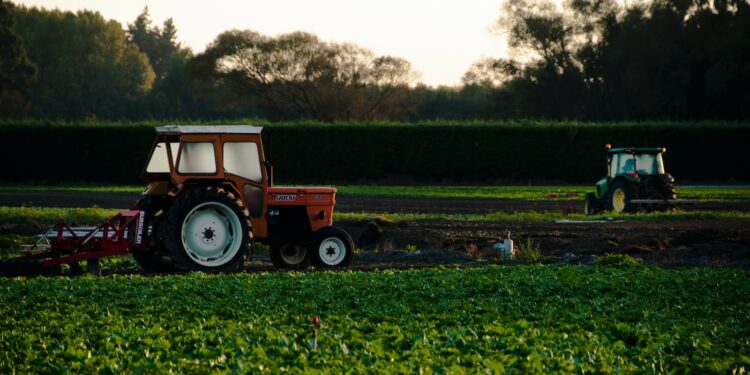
[(596, 60)]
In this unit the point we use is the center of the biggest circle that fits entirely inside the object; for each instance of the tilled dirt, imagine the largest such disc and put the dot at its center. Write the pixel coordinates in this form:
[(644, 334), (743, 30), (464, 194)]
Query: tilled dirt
[(704, 243), (464, 243)]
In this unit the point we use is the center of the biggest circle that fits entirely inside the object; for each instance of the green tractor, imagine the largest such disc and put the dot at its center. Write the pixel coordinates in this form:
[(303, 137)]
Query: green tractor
[(636, 181)]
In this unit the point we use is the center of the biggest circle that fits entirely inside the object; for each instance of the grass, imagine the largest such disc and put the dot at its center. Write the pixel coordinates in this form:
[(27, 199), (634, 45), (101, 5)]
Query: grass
[(496, 319), (573, 192), (39, 216), (50, 215)]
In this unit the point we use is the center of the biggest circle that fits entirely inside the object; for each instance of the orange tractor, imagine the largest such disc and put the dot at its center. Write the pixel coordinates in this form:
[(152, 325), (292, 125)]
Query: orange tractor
[(210, 195)]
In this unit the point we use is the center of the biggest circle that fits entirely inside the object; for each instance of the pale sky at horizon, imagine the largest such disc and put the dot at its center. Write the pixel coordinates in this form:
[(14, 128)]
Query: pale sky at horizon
[(441, 38)]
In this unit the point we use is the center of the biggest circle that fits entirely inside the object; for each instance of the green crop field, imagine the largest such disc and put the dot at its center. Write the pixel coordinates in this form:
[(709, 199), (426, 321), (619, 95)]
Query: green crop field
[(520, 318)]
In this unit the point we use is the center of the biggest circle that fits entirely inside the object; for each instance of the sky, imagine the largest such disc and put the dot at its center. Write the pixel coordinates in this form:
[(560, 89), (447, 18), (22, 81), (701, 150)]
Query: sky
[(441, 38)]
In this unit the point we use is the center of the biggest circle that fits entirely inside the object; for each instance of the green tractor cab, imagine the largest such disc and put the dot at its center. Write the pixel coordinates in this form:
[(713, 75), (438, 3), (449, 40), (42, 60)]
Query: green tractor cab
[(636, 181)]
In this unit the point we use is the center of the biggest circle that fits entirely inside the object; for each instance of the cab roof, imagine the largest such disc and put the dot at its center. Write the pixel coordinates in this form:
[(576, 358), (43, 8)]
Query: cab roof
[(637, 150), (208, 129)]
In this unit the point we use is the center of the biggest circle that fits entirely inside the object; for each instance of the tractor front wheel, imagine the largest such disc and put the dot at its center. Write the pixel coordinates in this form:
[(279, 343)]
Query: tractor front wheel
[(621, 194), (290, 257), (332, 247), (207, 229), (590, 204)]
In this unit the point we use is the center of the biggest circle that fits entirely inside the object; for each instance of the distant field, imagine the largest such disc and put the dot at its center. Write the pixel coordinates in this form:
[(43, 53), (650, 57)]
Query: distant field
[(705, 193), (496, 319)]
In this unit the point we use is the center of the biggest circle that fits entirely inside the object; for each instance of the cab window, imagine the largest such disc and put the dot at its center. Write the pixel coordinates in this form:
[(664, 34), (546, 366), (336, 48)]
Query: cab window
[(197, 157), (241, 159)]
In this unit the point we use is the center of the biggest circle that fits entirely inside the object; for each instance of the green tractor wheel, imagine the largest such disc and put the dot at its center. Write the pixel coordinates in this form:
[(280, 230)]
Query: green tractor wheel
[(621, 193), (590, 204)]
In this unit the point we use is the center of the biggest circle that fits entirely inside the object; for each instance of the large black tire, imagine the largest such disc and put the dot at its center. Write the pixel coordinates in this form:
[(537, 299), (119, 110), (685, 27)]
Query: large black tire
[(154, 259), (207, 229), (590, 204), (331, 247), (667, 192), (290, 257), (620, 195)]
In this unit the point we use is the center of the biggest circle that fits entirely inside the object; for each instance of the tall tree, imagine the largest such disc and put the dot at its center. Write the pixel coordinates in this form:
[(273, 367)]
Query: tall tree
[(298, 75), (158, 43), (172, 95), (16, 71), (86, 66)]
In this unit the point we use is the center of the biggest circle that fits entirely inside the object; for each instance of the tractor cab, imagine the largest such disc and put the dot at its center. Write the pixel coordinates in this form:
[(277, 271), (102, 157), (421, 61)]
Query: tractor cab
[(635, 179)]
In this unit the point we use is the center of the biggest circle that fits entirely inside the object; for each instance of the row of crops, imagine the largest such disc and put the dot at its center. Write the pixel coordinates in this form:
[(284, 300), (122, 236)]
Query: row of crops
[(526, 318)]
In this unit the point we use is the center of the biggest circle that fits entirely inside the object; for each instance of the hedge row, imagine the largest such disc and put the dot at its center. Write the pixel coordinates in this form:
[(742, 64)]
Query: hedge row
[(419, 153)]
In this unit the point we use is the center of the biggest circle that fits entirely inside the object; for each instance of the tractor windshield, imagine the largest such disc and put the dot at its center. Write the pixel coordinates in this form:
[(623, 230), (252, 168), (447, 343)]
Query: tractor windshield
[(649, 164), (644, 164)]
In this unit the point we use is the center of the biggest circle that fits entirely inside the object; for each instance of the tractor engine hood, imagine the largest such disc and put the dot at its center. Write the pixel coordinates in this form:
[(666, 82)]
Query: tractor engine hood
[(310, 196)]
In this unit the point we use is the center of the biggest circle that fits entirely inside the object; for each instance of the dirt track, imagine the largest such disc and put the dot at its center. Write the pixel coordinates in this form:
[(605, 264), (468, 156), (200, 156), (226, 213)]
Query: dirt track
[(698, 243)]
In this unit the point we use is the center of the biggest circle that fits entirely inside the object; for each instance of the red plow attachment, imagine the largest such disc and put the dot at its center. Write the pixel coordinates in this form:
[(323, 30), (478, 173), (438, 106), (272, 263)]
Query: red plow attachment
[(121, 234)]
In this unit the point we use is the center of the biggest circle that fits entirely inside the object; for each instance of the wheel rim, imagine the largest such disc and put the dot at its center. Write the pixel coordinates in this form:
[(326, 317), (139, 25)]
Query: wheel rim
[(618, 200), (332, 251), (293, 255), (211, 234)]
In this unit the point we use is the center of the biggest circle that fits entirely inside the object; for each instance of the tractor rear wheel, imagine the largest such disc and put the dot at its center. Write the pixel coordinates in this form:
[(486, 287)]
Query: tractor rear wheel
[(154, 259), (332, 247), (621, 193), (207, 229), (590, 204), (290, 256)]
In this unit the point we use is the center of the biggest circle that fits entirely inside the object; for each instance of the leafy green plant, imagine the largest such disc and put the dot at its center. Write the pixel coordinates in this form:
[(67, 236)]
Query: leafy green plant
[(122, 262), (614, 259), (541, 319), (529, 251), (409, 248)]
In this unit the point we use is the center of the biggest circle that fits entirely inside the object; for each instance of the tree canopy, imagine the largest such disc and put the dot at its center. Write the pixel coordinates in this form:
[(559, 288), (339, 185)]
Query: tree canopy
[(596, 60), (600, 60), (16, 70), (297, 75), (87, 68)]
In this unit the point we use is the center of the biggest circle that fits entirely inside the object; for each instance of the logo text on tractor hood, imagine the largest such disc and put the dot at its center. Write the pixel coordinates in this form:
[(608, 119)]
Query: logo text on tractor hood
[(286, 197)]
